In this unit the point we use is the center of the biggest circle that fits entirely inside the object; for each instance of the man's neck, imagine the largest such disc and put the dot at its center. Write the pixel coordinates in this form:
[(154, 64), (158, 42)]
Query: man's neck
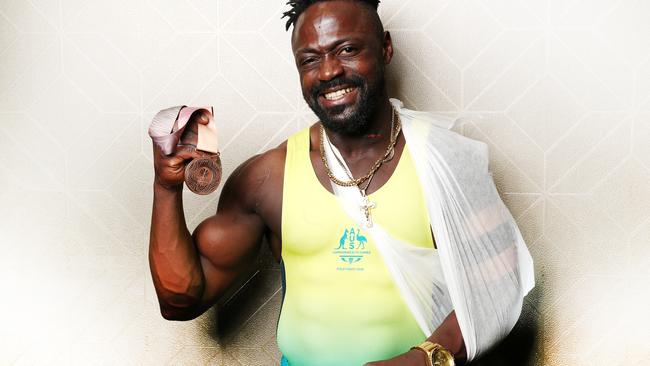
[(376, 138)]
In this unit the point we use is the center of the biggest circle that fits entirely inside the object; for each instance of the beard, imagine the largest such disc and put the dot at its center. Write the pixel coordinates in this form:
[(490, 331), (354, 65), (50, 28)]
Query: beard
[(351, 120)]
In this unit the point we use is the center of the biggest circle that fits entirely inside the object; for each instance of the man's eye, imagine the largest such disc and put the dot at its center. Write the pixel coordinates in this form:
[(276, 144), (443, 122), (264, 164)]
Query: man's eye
[(348, 49), (308, 61)]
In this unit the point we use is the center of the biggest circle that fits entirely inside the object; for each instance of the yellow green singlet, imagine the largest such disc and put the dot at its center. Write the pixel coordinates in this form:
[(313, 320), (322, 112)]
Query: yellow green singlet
[(341, 306)]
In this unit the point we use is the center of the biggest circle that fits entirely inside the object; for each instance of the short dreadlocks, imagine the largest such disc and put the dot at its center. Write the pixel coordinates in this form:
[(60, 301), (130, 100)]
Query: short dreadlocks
[(299, 6)]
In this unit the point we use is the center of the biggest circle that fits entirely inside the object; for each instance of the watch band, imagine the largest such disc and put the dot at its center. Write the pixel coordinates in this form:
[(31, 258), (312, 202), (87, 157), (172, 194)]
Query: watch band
[(437, 355), (428, 348)]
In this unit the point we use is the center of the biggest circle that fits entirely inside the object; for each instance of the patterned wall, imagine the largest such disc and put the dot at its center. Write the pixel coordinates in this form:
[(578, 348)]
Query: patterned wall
[(559, 89)]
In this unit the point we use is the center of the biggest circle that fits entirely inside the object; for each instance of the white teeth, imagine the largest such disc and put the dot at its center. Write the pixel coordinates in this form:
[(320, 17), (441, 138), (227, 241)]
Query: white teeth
[(337, 94)]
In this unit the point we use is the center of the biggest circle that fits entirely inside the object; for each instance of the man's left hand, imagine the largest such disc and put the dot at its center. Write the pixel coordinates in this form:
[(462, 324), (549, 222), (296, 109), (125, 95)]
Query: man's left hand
[(413, 357)]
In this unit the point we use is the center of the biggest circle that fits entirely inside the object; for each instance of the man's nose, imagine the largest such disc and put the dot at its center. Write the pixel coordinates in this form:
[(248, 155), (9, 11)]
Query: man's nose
[(330, 68)]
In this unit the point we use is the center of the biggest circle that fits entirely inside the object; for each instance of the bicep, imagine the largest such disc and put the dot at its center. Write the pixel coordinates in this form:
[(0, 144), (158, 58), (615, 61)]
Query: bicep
[(228, 242)]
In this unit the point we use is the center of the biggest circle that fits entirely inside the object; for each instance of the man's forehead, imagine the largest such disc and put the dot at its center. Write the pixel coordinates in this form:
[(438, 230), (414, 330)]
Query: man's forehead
[(327, 21)]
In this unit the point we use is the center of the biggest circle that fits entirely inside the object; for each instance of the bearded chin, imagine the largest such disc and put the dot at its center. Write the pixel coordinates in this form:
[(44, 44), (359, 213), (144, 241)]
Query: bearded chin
[(347, 120), (351, 120)]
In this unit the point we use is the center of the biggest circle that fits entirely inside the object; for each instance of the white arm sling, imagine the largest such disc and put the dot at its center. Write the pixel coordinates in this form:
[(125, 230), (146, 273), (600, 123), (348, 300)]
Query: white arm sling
[(482, 268)]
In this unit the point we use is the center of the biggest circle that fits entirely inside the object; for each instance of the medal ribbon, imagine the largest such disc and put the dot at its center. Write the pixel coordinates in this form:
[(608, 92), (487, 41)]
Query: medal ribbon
[(168, 125)]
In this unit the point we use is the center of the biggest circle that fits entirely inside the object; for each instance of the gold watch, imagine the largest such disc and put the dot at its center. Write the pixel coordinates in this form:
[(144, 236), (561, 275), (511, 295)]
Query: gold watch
[(437, 355)]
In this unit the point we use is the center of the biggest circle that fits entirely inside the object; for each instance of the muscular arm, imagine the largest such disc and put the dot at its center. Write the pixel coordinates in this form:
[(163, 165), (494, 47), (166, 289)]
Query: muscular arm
[(173, 258), (191, 271)]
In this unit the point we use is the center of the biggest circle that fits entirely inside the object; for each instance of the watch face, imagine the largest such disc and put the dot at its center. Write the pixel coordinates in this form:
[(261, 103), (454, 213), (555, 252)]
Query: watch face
[(442, 357)]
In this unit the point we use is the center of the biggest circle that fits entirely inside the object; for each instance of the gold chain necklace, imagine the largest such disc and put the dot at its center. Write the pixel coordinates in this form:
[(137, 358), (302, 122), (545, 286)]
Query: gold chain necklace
[(388, 155), (365, 205)]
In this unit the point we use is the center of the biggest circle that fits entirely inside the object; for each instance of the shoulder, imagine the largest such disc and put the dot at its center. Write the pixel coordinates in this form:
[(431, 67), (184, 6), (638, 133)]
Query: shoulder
[(468, 145), (257, 178), (434, 124), (258, 181), (260, 168), (263, 162), (456, 149)]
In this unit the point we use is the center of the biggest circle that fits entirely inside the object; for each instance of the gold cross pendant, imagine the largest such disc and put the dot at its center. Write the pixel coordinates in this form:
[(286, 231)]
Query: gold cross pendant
[(366, 206)]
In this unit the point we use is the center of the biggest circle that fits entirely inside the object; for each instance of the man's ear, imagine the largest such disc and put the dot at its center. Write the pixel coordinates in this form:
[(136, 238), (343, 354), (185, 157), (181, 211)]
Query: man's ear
[(387, 48)]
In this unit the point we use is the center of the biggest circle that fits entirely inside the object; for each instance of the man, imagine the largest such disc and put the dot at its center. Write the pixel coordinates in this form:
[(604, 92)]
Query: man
[(341, 304)]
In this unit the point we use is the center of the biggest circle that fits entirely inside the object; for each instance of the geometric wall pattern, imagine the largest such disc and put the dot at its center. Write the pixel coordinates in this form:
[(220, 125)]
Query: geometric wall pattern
[(559, 90)]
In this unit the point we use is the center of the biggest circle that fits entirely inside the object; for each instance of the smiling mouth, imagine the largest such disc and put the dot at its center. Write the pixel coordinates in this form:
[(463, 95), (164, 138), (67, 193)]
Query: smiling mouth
[(338, 94)]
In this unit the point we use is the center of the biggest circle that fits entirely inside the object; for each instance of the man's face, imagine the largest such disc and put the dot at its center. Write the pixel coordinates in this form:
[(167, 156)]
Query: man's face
[(341, 61)]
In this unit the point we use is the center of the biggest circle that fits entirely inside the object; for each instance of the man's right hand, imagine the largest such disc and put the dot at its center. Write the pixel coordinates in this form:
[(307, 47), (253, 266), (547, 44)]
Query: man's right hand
[(170, 169)]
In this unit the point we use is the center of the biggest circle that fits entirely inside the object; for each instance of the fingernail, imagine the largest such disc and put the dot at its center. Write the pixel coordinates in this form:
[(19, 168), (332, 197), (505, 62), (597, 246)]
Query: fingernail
[(204, 118)]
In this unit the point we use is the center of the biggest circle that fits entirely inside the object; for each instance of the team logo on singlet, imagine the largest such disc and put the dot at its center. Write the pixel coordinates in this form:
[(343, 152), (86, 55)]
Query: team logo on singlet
[(351, 249)]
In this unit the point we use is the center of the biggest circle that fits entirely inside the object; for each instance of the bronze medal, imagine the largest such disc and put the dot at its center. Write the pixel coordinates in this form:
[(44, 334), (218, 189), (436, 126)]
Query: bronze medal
[(168, 130), (203, 175)]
